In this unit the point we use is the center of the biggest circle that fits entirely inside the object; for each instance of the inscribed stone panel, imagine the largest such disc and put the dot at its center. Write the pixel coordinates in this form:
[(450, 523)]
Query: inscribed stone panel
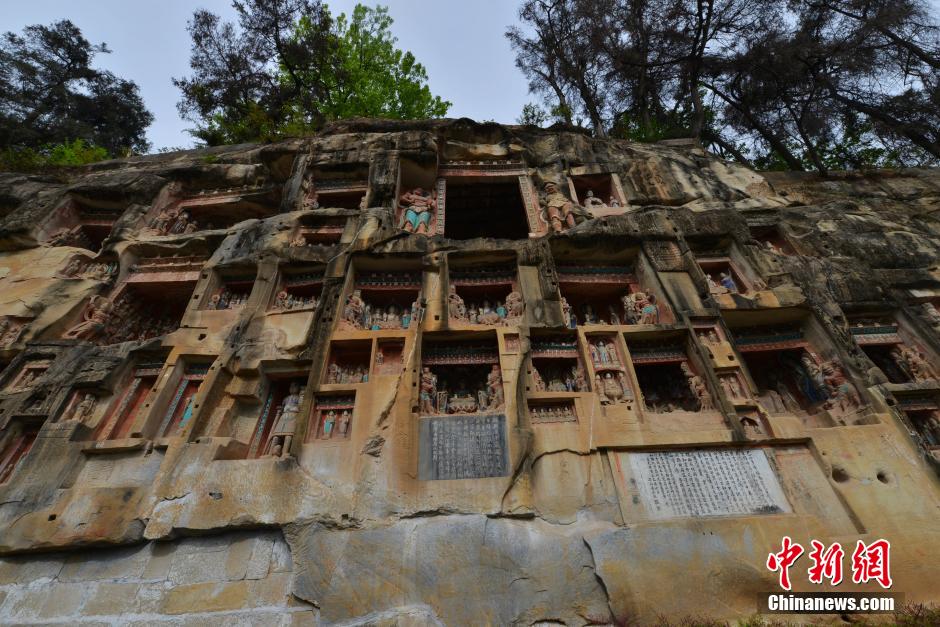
[(680, 484), (462, 447)]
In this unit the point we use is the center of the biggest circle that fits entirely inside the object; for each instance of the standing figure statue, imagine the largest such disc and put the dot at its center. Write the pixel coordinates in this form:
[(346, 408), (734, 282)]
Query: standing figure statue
[(328, 423), (494, 387), (82, 410), (699, 390), (630, 310), (566, 314), (599, 387), (354, 309), (428, 390), (812, 380), (603, 352), (283, 432), (514, 305), (94, 321), (456, 309), (419, 208), (919, 368), (538, 383), (841, 391)]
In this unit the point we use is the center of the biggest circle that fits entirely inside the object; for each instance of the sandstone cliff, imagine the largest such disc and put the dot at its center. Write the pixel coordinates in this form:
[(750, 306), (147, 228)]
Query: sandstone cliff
[(256, 383)]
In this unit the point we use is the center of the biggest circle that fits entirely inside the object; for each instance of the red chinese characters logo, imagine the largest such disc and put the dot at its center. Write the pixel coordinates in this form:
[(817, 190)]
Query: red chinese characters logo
[(827, 564), (869, 562), (784, 559), (872, 562)]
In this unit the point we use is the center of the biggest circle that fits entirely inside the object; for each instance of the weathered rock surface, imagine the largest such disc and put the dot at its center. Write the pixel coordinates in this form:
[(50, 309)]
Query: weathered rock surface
[(214, 406)]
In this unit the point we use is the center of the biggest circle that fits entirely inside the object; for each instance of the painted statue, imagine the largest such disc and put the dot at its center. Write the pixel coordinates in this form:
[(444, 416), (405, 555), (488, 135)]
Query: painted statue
[(82, 410), (353, 311), (494, 387), (591, 201), (94, 321), (514, 305), (456, 308), (699, 390), (428, 390), (419, 208), (558, 208), (841, 391), (283, 432)]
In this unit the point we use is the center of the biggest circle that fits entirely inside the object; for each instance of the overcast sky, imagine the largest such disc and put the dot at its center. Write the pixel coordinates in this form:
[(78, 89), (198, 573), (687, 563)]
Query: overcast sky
[(460, 42)]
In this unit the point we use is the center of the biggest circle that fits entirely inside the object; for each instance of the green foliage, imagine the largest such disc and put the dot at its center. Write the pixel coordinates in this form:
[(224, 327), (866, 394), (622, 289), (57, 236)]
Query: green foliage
[(291, 67), (670, 124), (533, 115), (373, 78), (50, 94), (855, 147), (75, 153)]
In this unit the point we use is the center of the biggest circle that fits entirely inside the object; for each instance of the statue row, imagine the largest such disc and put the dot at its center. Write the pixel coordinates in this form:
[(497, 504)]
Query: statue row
[(560, 380), (286, 301), (228, 299), (334, 424), (820, 385), (508, 313), (389, 279), (129, 320), (462, 399), (689, 393), (336, 373), (725, 284), (553, 413), (121, 321), (80, 268), (638, 308), (358, 314), (172, 221), (419, 209)]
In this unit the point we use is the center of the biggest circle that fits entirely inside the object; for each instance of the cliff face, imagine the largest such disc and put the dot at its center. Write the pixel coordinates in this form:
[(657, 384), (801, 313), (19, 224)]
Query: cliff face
[(423, 373)]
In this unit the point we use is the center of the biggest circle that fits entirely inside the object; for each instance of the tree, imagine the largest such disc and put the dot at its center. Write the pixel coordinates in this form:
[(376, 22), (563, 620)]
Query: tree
[(800, 84), (288, 67), (50, 94), (557, 60), (374, 78), (250, 83)]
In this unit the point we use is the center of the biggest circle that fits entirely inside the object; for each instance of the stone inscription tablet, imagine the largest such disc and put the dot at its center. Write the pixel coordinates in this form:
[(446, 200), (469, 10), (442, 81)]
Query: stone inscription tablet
[(680, 484), (462, 447)]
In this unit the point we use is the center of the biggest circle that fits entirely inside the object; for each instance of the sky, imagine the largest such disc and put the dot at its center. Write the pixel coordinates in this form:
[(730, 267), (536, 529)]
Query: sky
[(461, 44)]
